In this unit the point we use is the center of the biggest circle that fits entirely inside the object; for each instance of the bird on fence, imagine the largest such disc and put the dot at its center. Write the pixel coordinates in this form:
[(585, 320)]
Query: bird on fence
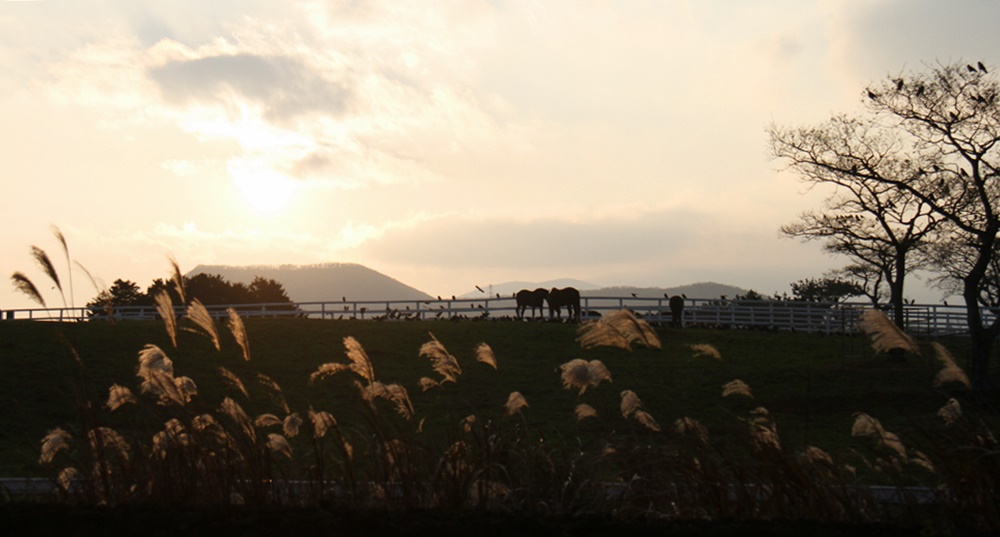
[(480, 289), (633, 295)]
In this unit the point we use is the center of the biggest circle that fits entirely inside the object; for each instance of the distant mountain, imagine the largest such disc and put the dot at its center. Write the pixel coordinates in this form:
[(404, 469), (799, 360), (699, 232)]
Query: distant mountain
[(694, 290), (508, 289), (326, 282)]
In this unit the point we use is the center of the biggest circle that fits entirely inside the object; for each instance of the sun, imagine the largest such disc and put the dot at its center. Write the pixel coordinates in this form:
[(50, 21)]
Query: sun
[(265, 190)]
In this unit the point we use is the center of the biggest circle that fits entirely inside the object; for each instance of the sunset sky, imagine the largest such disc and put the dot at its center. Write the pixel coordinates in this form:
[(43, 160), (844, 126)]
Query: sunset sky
[(445, 144)]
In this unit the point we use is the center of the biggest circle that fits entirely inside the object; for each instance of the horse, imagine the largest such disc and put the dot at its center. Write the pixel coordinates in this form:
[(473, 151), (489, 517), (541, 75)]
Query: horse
[(533, 299), (676, 310), (568, 297)]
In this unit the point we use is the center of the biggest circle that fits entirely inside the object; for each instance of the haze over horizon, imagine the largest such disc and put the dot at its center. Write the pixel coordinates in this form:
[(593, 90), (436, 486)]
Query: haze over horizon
[(446, 145)]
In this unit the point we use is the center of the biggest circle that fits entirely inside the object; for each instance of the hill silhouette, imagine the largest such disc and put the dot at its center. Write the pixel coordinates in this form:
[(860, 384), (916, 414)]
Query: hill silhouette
[(327, 282)]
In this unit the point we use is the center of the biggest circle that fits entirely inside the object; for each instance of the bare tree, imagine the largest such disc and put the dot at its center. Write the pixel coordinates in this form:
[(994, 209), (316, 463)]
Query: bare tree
[(874, 224), (944, 125)]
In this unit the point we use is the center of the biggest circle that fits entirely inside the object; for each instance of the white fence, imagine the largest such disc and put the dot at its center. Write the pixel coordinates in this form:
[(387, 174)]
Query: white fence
[(920, 319)]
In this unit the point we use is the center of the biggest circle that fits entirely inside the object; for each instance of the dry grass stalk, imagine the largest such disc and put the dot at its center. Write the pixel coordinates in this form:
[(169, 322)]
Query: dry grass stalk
[(173, 436), (468, 422), (119, 395), (646, 419), (235, 412), (273, 391), (951, 372), (279, 444), (24, 285), (816, 455), (43, 261), (950, 412), (321, 421), (584, 411), (175, 276), (361, 365), (200, 316), (921, 459), (704, 349), (58, 234), (290, 426), (442, 362), (691, 426), (165, 307), (736, 387), (515, 402), (53, 442), (152, 358), (581, 374), (230, 379), (763, 430), (186, 388), (100, 438), (206, 422), (630, 403), (886, 336), (328, 370), (620, 329), (66, 478), (426, 383), (393, 393), (867, 426), (239, 332), (266, 420), (484, 354)]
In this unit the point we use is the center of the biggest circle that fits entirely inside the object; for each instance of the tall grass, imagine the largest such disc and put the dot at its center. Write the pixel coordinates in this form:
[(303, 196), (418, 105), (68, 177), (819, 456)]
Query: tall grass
[(172, 445)]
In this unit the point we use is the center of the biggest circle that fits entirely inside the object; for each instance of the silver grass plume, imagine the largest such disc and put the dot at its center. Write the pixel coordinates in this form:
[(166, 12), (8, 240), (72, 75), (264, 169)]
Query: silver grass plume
[(175, 275), (885, 335), (44, 263), (165, 307), (484, 354), (24, 285), (620, 329), (55, 441), (581, 374), (515, 403), (442, 362), (69, 266), (231, 380), (200, 316), (239, 332)]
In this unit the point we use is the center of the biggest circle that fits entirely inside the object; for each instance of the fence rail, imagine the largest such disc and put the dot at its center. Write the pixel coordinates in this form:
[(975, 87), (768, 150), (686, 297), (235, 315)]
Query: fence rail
[(920, 319)]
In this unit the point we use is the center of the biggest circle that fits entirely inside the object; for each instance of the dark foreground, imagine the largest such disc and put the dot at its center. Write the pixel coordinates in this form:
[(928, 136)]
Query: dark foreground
[(150, 521)]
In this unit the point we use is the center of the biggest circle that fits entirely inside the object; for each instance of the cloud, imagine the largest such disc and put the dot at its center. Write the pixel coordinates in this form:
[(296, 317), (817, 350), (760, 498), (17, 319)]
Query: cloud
[(285, 86)]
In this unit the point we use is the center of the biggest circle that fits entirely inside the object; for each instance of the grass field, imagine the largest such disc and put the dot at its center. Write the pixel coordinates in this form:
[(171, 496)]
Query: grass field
[(811, 384)]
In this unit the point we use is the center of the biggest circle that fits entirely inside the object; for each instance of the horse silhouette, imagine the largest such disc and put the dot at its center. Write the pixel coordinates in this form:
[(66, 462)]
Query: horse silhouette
[(568, 297), (676, 310), (533, 299)]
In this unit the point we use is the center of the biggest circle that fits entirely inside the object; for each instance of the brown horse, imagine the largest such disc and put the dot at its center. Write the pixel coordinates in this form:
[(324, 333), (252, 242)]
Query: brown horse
[(533, 299), (568, 297), (676, 310)]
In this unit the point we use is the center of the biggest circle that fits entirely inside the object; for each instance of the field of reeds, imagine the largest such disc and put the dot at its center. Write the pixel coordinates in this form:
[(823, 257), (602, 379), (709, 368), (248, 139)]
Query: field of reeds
[(613, 418)]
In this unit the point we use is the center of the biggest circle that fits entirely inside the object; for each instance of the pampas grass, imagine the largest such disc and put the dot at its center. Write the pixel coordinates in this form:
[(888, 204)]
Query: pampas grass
[(165, 308), (199, 316), (885, 335), (230, 379), (485, 355), (620, 329), (704, 349), (736, 387), (44, 263), (584, 411), (55, 441), (239, 332), (442, 362), (951, 372), (24, 285), (118, 396), (580, 374), (515, 403)]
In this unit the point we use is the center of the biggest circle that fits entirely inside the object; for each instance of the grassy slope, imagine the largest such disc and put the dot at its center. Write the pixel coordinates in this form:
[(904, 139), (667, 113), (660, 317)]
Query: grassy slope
[(811, 384)]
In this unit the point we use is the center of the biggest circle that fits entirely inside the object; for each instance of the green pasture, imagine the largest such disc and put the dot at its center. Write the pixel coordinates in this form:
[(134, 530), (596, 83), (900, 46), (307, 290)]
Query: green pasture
[(58, 374)]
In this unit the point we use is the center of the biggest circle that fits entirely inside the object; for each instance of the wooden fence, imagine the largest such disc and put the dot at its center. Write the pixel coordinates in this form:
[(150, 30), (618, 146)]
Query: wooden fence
[(920, 319)]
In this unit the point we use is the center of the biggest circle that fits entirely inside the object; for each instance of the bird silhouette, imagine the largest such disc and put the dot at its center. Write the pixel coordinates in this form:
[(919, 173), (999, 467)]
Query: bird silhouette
[(343, 299), (872, 95), (899, 85), (439, 297), (633, 295), (480, 289), (970, 68), (982, 68)]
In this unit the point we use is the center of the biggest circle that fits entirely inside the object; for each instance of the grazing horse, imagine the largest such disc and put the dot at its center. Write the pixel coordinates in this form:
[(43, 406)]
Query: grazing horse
[(676, 310), (568, 297), (533, 299)]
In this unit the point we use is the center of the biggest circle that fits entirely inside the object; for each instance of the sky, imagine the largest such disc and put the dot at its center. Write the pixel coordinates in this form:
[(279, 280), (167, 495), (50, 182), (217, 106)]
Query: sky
[(446, 144)]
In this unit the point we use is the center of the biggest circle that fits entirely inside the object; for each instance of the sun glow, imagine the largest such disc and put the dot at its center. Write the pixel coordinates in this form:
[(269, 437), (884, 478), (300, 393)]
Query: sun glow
[(264, 189)]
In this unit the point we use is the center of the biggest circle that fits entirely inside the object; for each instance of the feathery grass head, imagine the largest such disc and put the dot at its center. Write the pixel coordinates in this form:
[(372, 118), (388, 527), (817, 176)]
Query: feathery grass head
[(118, 396), (515, 402), (24, 285), (42, 260), (581, 374), (274, 391), (106, 439), (361, 365), (885, 335), (291, 425), (152, 358), (230, 379), (266, 420), (950, 412), (165, 307), (584, 411), (484, 354), (630, 403), (427, 383), (55, 441), (279, 444), (393, 393), (620, 329), (200, 316), (321, 421), (646, 419), (736, 387), (175, 276), (691, 426), (443, 363), (951, 373), (704, 349), (239, 332)]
